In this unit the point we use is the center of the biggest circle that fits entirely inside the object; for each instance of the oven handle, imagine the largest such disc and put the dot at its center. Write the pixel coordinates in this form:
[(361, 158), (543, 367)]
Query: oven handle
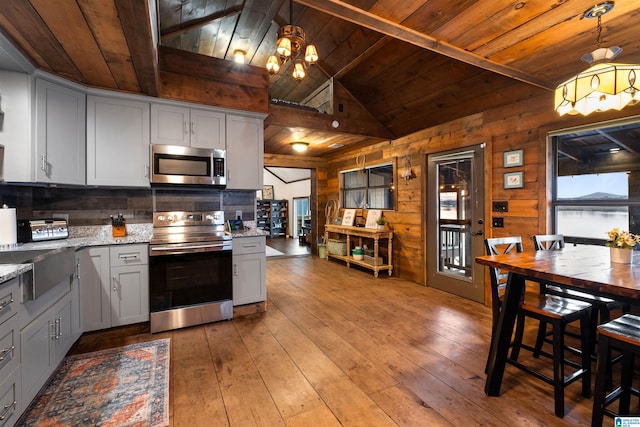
[(217, 247)]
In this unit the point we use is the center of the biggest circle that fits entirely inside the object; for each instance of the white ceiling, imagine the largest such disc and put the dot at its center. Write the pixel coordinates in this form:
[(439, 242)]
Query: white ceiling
[(289, 175)]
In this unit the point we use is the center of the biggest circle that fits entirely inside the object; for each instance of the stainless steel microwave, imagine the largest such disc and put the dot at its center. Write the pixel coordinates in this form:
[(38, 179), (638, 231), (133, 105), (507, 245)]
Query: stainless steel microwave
[(176, 164)]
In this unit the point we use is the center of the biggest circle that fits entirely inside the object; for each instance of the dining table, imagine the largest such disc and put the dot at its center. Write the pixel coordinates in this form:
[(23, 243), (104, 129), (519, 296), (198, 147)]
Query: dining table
[(587, 268)]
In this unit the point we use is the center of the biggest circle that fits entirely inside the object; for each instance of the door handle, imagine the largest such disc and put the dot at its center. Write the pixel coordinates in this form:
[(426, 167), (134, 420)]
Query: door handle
[(478, 233)]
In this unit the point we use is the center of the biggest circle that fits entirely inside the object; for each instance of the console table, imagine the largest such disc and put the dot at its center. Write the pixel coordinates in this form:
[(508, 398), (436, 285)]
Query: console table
[(362, 233)]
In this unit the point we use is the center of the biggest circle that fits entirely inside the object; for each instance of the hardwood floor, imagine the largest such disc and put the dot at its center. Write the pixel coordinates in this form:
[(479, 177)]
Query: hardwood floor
[(338, 347), (290, 247)]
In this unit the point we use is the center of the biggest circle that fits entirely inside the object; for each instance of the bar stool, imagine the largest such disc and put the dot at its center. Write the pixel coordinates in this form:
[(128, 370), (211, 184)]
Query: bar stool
[(622, 334), (547, 309), (602, 306)]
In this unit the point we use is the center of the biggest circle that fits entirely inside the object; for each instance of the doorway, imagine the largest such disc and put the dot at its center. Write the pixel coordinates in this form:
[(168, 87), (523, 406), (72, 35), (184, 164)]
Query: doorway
[(455, 224), (301, 218)]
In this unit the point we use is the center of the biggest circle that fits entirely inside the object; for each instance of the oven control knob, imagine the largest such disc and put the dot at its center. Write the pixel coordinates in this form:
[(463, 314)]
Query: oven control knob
[(170, 218), (161, 218)]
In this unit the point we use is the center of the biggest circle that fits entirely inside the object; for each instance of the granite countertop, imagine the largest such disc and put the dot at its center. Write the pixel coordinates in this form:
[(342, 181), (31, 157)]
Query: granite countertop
[(100, 235)]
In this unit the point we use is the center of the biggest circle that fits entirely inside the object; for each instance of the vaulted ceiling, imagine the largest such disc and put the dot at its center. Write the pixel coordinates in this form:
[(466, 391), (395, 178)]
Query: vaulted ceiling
[(406, 65)]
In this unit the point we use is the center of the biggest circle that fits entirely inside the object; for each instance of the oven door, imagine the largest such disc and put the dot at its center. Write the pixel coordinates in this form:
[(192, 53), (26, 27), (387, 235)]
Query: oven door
[(183, 275)]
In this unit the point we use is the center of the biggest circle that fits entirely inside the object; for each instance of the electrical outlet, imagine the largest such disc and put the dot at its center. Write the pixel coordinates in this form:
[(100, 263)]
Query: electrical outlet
[(501, 206), (497, 222), (238, 214)]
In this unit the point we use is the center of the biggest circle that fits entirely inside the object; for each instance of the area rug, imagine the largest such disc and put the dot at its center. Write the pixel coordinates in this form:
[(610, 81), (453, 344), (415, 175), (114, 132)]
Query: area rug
[(273, 252), (124, 386)]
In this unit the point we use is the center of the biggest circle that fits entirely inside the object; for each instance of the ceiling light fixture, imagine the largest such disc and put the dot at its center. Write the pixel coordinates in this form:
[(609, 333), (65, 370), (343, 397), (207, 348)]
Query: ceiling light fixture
[(300, 146), (292, 44), (238, 56), (604, 85)]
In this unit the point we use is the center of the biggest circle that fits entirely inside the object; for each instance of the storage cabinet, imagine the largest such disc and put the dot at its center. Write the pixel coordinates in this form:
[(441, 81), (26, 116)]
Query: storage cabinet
[(191, 127), (10, 391), (117, 142), (249, 270), (59, 134), (245, 153), (114, 283), (44, 343), (272, 216)]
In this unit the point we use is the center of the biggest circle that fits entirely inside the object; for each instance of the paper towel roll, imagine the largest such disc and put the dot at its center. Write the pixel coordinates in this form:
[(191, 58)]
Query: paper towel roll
[(8, 234)]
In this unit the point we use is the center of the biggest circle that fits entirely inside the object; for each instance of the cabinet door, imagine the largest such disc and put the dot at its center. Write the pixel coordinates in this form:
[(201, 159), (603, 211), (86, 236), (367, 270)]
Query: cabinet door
[(249, 278), (60, 134), (117, 142), (95, 289), (245, 153), (129, 294), (170, 125), (208, 129), (36, 363), (62, 330)]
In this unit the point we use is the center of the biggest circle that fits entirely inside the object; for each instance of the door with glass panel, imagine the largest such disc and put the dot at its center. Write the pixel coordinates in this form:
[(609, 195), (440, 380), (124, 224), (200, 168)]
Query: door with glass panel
[(455, 224)]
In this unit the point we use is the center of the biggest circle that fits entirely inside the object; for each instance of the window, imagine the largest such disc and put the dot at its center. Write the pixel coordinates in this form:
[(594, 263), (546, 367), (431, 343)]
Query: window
[(371, 187), (596, 181)]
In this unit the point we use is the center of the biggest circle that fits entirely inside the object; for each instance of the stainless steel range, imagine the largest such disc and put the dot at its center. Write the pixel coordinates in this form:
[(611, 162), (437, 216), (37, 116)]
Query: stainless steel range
[(190, 270)]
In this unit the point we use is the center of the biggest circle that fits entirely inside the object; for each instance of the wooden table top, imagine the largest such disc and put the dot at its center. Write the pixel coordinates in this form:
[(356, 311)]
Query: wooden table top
[(584, 266)]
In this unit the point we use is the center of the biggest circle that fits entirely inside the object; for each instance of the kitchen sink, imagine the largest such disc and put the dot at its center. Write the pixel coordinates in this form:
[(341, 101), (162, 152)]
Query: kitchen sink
[(50, 267)]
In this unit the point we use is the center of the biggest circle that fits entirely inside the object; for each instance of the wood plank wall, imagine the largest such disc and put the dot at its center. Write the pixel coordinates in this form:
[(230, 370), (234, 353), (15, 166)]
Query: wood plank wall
[(521, 126)]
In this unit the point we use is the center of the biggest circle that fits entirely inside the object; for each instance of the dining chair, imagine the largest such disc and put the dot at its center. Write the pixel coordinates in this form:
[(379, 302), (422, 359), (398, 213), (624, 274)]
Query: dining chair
[(622, 334), (601, 306), (547, 309)]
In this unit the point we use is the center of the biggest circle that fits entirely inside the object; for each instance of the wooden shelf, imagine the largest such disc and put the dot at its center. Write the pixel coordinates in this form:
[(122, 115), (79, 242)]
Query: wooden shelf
[(362, 233)]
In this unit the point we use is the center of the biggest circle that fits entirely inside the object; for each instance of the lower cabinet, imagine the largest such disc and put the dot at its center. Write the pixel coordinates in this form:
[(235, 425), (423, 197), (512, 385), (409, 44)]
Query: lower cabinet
[(114, 286), (10, 390), (44, 342), (249, 270)]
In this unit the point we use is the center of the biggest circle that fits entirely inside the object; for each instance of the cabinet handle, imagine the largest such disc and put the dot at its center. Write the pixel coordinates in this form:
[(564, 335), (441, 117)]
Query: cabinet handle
[(193, 129), (78, 270), (44, 163), (185, 127), (60, 327), (6, 351), (128, 257), (235, 269), (52, 331), (146, 171), (8, 408), (57, 325), (249, 246), (4, 304), (115, 288)]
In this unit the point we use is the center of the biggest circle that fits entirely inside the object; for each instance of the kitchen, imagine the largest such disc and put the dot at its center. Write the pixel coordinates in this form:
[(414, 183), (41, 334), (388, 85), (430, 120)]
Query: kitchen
[(521, 124)]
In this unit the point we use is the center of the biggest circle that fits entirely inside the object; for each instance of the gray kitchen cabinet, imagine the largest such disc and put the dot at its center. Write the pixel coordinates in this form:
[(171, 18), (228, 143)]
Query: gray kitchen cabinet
[(114, 284), (117, 142), (245, 152), (191, 127), (249, 270), (10, 383), (59, 134), (44, 343)]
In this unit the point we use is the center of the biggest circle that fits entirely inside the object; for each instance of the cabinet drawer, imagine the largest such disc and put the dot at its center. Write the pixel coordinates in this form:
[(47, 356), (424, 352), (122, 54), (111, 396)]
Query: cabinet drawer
[(10, 394), (9, 298), (9, 346), (129, 255), (249, 245)]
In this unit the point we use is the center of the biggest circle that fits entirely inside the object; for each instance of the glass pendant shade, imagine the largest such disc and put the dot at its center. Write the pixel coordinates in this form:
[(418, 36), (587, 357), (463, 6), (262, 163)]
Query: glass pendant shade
[(298, 71), (273, 65), (284, 47), (311, 54), (601, 87)]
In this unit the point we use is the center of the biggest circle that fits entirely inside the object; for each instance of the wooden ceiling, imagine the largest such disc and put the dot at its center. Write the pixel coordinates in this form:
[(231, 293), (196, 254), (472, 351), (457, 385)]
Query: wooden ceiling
[(400, 66)]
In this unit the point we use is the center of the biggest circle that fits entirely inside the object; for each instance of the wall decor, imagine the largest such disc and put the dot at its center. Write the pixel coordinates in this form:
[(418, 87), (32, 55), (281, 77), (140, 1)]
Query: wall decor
[(372, 216), (513, 180), (267, 192), (348, 217), (512, 158)]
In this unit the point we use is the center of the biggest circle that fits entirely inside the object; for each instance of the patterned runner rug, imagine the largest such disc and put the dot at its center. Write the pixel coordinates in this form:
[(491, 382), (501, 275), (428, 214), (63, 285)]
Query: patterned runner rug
[(124, 386)]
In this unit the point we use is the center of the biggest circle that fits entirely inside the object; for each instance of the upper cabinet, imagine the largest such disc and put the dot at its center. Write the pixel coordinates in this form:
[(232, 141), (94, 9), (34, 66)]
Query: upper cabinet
[(59, 134), (191, 127), (245, 152), (117, 142)]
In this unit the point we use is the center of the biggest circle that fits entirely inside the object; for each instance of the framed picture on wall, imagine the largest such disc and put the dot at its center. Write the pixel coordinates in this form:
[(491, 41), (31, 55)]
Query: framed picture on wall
[(267, 192), (513, 180), (512, 158)]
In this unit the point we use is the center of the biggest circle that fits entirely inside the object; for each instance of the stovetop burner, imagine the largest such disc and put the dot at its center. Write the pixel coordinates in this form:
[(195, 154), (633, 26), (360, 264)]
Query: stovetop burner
[(186, 227)]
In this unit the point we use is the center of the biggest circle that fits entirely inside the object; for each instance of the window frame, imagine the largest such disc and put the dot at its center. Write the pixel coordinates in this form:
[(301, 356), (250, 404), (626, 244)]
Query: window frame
[(367, 188)]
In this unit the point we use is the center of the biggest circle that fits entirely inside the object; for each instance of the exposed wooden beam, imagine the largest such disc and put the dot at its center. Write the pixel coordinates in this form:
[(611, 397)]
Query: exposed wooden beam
[(343, 10), (139, 25), (200, 22)]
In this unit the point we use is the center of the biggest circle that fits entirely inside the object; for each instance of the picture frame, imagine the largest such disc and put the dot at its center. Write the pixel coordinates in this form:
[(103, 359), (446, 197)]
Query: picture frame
[(513, 158), (348, 217), (372, 216), (513, 180), (267, 192)]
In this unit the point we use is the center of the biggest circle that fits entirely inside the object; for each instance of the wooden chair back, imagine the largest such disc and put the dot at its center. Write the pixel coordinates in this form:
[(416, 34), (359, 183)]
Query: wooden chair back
[(545, 242), (497, 246)]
